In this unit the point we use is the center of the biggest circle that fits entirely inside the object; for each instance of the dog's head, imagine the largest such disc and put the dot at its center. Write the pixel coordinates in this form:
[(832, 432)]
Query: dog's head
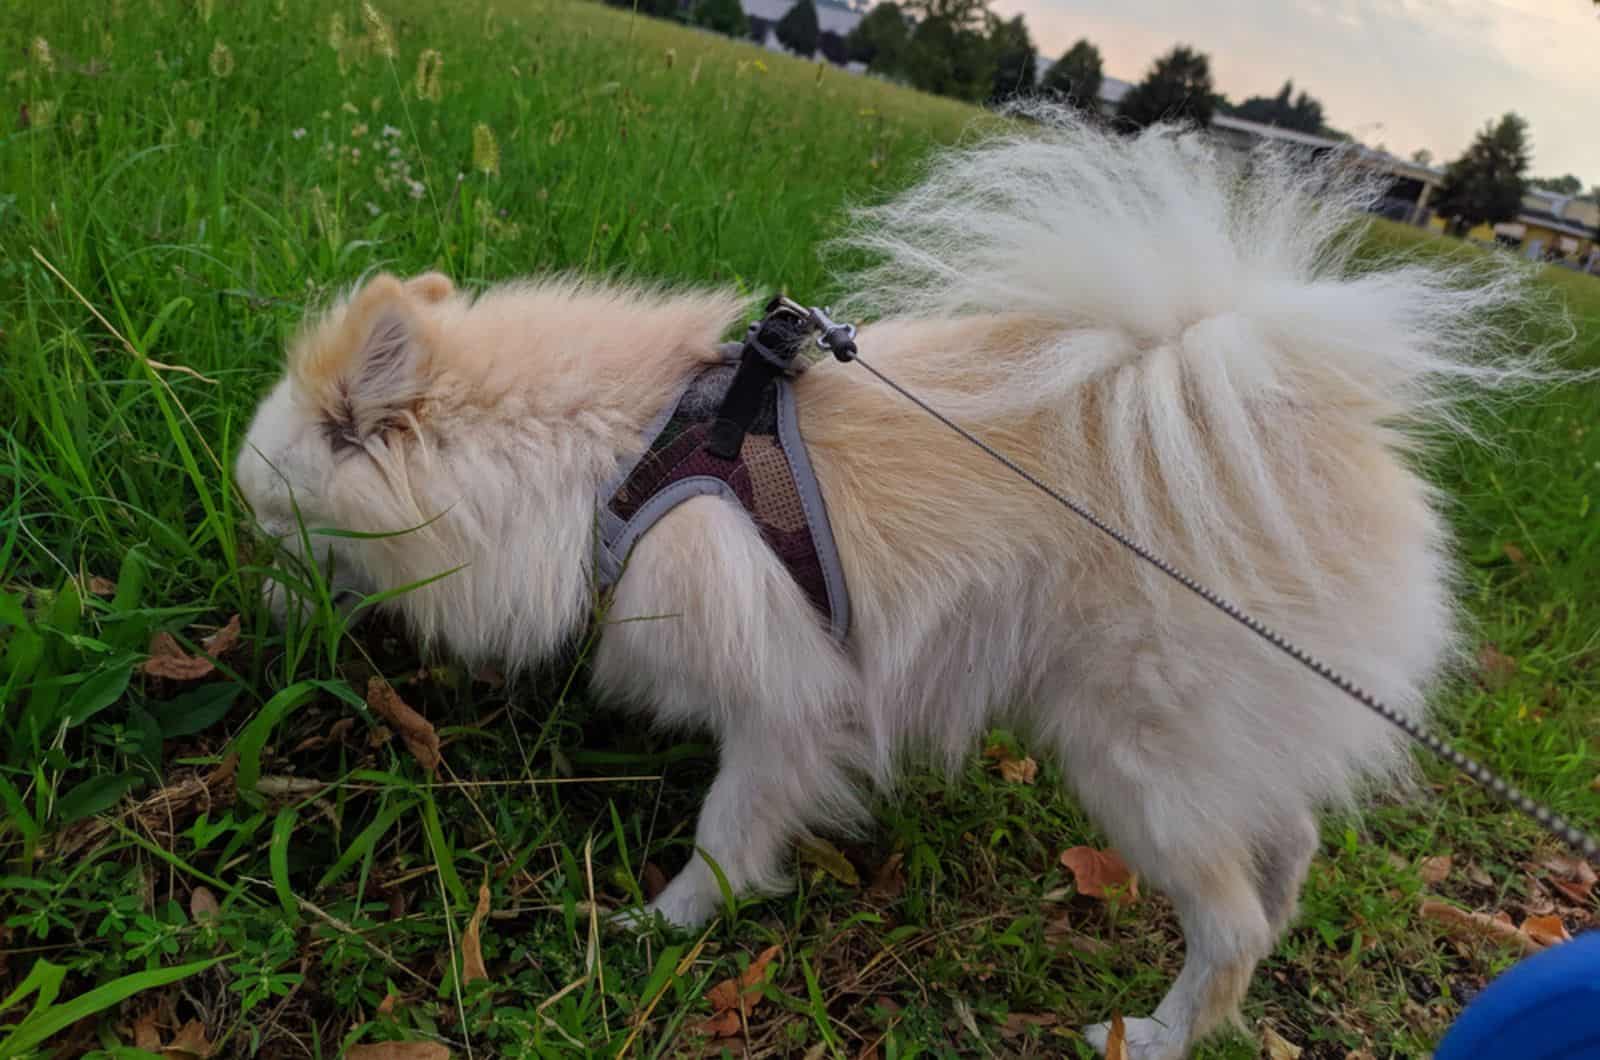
[(325, 443)]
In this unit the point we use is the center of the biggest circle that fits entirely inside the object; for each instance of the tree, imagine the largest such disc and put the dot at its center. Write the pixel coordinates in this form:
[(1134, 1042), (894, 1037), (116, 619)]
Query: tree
[(881, 39), (1076, 77), (724, 16), (1177, 88), (1485, 185), (1284, 110), (950, 59), (1015, 64), (1566, 185), (798, 30)]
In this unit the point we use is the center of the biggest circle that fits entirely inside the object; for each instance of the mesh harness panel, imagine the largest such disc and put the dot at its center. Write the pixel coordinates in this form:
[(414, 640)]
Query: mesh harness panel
[(770, 478)]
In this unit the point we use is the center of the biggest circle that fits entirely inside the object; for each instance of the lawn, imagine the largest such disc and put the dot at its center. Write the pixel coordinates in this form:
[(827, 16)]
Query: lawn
[(228, 843)]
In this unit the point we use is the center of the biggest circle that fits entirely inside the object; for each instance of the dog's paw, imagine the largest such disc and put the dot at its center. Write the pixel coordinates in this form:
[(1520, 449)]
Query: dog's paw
[(635, 920), (1143, 1039)]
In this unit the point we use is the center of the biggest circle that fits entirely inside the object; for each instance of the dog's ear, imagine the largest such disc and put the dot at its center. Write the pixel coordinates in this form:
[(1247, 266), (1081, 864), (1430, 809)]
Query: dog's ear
[(385, 364), (431, 286)]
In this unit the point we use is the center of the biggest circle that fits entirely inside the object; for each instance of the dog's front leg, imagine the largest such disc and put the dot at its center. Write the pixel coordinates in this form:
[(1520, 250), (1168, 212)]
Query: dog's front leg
[(761, 799)]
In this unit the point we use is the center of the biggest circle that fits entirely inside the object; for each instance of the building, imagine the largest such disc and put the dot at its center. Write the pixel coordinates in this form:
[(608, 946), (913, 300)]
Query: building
[(1552, 227)]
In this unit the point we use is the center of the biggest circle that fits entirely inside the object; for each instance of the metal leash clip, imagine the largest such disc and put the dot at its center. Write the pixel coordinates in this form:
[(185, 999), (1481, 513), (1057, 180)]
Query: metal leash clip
[(838, 339)]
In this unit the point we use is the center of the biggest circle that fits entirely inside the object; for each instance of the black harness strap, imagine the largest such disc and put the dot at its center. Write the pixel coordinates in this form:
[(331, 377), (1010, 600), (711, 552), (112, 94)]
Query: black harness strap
[(770, 347)]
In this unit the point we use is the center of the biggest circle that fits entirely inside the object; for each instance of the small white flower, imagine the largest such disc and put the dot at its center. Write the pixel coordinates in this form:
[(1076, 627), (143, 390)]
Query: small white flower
[(390, 131), (417, 188), (355, 154), (372, 208), (299, 134), (394, 152)]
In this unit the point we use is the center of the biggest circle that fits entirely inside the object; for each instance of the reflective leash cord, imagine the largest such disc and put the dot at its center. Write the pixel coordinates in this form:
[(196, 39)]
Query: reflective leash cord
[(839, 340)]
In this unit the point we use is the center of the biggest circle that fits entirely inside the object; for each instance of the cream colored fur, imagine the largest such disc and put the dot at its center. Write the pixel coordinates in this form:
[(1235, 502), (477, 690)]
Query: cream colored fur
[(1188, 352)]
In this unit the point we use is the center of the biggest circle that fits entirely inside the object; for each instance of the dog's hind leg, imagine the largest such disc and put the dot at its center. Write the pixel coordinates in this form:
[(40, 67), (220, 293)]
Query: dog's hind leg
[(1282, 857), (1225, 933)]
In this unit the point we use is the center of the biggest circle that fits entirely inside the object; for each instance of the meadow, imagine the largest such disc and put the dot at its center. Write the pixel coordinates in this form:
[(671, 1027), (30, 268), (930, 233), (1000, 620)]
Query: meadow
[(213, 844)]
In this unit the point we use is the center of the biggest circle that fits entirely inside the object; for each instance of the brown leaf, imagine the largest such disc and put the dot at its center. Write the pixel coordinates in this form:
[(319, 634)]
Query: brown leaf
[(386, 1006), (168, 660), (726, 994), (145, 1034), (203, 906), (223, 640), (1019, 770), (1515, 555), (652, 880), (102, 586), (889, 881), (417, 732), (398, 1051), (1017, 1023), (472, 968), (1100, 873), (1495, 667), (1545, 930), (190, 1043), (1059, 932), (1467, 925), (1434, 870), (1117, 1040), (722, 1025), (1279, 1047), (1573, 877)]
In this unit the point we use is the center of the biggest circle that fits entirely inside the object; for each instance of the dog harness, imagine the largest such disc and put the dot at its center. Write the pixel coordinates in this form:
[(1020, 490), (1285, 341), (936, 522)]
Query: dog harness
[(734, 431)]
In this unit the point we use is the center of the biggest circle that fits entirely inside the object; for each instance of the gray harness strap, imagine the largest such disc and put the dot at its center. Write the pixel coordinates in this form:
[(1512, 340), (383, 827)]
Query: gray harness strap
[(770, 478)]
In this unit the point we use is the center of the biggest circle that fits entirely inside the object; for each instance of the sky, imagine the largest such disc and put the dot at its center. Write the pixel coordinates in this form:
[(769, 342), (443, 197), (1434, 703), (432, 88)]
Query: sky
[(1406, 74)]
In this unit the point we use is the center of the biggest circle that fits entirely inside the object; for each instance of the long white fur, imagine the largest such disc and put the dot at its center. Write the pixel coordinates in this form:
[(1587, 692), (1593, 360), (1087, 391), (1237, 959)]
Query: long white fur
[(1186, 348)]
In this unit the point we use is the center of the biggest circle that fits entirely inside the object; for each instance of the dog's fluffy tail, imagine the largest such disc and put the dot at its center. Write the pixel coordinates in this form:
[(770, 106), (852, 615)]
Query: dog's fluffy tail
[(1174, 249), (1207, 302)]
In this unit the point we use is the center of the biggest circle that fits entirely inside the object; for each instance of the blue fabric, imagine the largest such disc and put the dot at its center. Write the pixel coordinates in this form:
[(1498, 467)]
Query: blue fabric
[(1546, 1007)]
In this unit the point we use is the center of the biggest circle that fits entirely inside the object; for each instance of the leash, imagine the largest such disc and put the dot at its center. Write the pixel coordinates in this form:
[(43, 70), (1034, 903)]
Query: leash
[(839, 340)]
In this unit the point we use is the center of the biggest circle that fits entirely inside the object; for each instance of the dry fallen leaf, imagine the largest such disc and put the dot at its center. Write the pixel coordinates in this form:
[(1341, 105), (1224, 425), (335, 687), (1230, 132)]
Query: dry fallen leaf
[(1279, 1047), (1545, 930), (722, 1025), (1017, 1023), (190, 1043), (169, 660), (417, 732), (1059, 932), (1573, 877), (145, 1034), (203, 906), (1100, 873), (1461, 923), (472, 968), (1019, 770), (1495, 667), (386, 1006), (652, 880), (725, 995), (1435, 869), (1515, 554), (223, 640), (1117, 1040), (398, 1051), (889, 881), (102, 586)]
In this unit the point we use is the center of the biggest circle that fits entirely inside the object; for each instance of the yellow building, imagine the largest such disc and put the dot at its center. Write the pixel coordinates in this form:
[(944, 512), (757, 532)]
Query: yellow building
[(1549, 227)]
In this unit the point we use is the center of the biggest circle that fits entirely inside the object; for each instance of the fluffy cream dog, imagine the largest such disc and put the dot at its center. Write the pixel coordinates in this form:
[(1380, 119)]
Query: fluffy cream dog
[(1188, 351)]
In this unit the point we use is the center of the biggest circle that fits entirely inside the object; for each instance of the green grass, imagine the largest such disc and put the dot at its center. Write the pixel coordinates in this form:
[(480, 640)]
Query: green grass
[(166, 181)]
